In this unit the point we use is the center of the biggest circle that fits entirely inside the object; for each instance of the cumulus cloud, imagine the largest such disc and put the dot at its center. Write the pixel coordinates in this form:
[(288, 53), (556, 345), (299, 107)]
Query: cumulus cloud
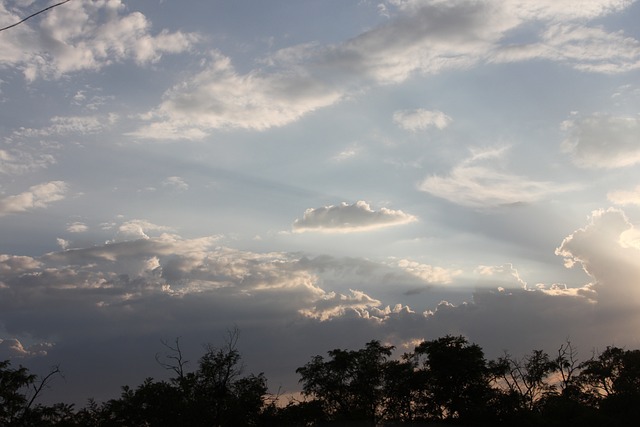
[(336, 305), (38, 196), (420, 119), (85, 35), (138, 229), (16, 264), (473, 183), (602, 141), (77, 227), (170, 286), (13, 349), (608, 250), (346, 218), (422, 37)]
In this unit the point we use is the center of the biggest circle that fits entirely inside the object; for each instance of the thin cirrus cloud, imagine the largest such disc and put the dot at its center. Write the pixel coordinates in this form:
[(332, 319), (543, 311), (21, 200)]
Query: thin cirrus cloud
[(625, 197), (86, 35), (38, 196), (475, 183), (602, 141), (349, 218), (421, 119), (423, 37), (14, 161)]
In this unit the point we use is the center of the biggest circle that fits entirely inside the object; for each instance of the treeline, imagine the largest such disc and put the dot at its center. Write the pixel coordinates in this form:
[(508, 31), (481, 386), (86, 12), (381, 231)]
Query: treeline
[(442, 381)]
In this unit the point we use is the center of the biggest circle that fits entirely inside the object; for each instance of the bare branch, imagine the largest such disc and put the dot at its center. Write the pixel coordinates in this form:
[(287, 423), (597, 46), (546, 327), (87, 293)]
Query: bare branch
[(44, 382), (178, 363)]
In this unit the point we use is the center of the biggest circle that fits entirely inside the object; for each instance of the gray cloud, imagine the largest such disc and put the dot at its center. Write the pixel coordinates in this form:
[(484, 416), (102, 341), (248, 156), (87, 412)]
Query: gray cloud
[(346, 218), (121, 298)]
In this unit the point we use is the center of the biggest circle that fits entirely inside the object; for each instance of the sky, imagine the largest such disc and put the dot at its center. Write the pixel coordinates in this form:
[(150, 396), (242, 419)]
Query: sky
[(316, 174)]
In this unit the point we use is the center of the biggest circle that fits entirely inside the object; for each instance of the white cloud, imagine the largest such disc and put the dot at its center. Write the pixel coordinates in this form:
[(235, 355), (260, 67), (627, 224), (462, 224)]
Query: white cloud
[(38, 196), (138, 229), (500, 275), (17, 161), (219, 97), (566, 10), (333, 305), (420, 119), (83, 125), (86, 35), (348, 153), (425, 37), (429, 273), (77, 227), (176, 183), (584, 48), (17, 264), (346, 218), (13, 349), (607, 251), (603, 141), (473, 184), (625, 197), (169, 285), (64, 244)]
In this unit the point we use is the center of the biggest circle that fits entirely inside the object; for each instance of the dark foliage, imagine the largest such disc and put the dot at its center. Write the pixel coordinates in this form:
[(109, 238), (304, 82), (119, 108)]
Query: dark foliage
[(446, 381)]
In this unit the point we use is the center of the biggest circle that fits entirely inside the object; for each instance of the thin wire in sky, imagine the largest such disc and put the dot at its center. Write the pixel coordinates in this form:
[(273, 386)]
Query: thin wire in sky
[(34, 14)]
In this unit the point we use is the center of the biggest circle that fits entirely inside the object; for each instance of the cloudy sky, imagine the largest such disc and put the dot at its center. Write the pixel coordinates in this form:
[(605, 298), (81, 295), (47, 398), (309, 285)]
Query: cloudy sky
[(316, 173)]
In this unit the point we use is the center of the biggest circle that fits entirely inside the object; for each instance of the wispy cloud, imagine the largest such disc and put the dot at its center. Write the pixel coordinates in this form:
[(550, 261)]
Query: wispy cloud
[(175, 183), (473, 183), (603, 141), (625, 197), (421, 119)]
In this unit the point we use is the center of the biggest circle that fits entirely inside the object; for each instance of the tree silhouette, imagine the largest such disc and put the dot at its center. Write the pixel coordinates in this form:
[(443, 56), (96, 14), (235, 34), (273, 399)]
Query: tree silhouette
[(19, 390), (349, 386), (454, 378), (445, 380)]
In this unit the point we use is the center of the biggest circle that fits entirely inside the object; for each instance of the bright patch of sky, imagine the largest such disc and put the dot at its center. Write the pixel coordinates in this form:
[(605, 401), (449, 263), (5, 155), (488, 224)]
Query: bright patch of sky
[(318, 174)]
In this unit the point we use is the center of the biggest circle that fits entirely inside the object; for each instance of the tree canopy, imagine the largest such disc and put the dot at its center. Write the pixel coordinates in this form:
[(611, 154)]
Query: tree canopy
[(444, 380)]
